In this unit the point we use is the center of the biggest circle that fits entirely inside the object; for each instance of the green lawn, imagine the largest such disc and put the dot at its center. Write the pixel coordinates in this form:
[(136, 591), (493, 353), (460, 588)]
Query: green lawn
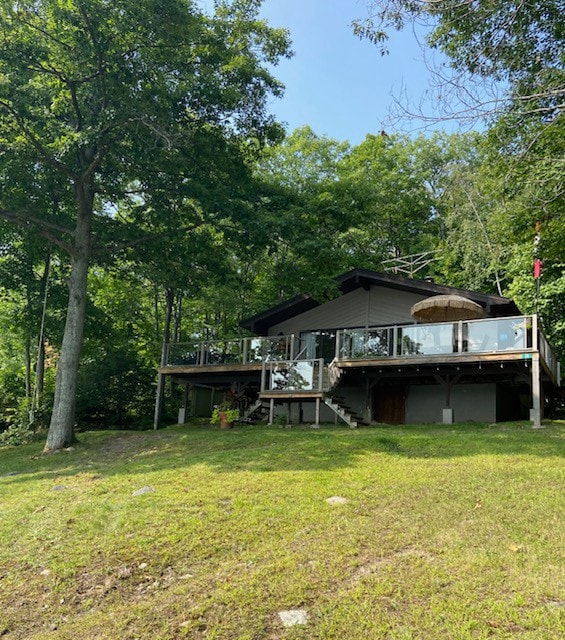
[(447, 533)]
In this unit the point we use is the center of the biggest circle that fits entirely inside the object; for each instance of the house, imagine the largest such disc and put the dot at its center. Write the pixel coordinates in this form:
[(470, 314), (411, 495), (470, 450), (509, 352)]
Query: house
[(362, 357)]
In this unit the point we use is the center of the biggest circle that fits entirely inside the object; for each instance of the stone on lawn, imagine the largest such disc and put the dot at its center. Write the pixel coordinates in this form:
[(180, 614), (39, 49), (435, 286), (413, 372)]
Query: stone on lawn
[(293, 617), (336, 500), (143, 490)]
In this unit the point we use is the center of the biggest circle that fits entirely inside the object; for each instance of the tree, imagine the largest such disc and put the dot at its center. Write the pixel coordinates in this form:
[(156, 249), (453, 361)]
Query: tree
[(504, 54), (385, 184), (98, 101)]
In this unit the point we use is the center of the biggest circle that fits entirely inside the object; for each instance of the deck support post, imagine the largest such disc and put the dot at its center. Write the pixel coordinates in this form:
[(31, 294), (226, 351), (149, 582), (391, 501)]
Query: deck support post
[(159, 400), (317, 422), (271, 410), (183, 413), (535, 411)]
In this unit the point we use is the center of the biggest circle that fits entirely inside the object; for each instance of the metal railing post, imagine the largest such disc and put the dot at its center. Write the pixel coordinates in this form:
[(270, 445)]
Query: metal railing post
[(292, 347), (460, 337), (245, 349), (394, 340), (338, 335)]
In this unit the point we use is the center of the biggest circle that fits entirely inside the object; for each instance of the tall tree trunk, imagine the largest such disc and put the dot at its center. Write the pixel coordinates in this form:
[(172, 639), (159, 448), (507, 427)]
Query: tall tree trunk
[(169, 301), (178, 317), (61, 429), (29, 316), (156, 311), (28, 370), (40, 367)]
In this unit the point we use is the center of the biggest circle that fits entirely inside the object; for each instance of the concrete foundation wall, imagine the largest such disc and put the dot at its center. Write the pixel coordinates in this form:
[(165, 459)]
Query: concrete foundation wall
[(470, 402)]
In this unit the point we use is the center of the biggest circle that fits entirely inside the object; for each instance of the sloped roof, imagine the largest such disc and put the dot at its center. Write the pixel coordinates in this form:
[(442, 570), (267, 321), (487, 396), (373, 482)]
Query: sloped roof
[(365, 278)]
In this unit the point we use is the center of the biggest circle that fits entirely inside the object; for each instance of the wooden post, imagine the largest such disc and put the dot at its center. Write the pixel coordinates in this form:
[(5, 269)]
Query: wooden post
[(535, 345), (337, 345), (535, 411), (160, 386), (185, 399), (317, 411), (271, 410)]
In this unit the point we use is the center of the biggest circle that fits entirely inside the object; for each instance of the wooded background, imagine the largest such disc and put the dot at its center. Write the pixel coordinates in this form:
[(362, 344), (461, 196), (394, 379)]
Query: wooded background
[(140, 167)]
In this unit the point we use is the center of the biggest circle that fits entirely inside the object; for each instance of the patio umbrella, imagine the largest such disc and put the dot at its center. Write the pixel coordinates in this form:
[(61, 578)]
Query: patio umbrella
[(448, 308)]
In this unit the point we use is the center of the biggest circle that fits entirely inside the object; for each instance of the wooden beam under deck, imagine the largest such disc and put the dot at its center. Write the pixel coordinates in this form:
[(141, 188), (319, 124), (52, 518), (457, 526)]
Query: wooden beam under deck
[(176, 369), (291, 395), (445, 359)]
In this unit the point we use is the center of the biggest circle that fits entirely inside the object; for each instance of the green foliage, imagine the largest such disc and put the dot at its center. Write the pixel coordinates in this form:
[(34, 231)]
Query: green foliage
[(16, 434), (230, 415)]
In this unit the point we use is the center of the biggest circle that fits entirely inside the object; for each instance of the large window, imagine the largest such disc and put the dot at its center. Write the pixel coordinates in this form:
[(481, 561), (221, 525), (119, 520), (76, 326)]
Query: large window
[(318, 344)]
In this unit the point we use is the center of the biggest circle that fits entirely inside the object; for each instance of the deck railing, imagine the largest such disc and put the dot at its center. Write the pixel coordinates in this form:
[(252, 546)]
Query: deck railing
[(549, 358), (489, 335), (293, 375), (237, 351), (439, 338)]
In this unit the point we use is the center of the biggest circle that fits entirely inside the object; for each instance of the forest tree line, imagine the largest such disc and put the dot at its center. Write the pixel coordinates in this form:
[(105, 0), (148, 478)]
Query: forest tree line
[(140, 167)]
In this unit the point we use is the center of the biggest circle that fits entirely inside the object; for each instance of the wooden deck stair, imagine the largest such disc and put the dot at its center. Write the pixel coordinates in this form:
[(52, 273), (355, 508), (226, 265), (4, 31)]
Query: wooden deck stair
[(330, 379), (342, 411), (255, 413)]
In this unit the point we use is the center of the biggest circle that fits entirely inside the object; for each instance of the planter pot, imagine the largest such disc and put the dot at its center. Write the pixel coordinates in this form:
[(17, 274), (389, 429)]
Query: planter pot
[(224, 422)]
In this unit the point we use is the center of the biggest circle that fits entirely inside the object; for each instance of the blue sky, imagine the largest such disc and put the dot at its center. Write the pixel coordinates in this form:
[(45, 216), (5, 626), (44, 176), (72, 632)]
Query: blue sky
[(338, 84)]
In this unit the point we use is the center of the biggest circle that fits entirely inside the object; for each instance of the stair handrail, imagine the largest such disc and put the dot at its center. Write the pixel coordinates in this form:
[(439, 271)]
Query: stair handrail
[(334, 374)]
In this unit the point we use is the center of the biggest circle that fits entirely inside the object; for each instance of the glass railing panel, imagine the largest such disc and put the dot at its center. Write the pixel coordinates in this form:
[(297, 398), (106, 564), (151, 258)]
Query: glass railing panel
[(297, 375), (276, 348), (255, 349), (364, 343), (547, 355), (428, 339), (500, 334), (185, 353), (224, 352)]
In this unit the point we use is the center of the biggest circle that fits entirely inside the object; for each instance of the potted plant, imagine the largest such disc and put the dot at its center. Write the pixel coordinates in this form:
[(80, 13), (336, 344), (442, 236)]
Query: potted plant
[(225, 415)]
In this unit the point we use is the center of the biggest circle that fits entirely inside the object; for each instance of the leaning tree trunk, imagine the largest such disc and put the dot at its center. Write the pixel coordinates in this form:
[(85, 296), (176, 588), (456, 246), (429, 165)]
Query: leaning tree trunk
[(61, 430)]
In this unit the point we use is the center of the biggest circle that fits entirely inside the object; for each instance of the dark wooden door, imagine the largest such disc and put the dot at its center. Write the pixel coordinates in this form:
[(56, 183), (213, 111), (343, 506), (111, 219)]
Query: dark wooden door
[(389, 403)]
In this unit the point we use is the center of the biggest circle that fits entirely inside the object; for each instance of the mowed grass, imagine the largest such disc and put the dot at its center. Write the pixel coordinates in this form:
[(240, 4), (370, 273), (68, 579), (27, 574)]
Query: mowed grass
[(448, 532)]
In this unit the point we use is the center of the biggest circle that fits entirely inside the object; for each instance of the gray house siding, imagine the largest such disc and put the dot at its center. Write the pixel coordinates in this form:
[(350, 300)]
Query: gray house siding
[(359, 308)]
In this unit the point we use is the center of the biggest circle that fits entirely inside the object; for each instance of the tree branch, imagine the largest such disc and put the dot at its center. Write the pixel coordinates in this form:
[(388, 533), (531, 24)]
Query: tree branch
[(44, 228), (20, 124)]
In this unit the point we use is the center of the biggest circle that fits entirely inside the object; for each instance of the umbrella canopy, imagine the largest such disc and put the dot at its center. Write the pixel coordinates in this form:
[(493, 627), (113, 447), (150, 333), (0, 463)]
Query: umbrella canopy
[(447, 308)]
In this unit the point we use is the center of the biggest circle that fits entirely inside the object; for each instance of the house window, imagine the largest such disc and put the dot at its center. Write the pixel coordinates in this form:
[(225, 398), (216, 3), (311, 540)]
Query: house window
[(318, 344)]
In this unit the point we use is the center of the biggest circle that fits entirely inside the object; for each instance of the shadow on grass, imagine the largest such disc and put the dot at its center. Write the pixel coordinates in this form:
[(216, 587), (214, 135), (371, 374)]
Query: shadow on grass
[(270, 449)]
